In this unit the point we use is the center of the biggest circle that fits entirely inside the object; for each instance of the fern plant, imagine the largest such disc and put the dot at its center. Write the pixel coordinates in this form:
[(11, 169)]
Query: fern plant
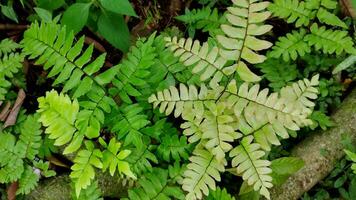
[(300, 42), (17, 161)]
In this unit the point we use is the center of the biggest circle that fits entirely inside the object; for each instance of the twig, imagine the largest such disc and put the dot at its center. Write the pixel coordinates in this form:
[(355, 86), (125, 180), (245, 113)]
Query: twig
[(97, 45), (13, 27)]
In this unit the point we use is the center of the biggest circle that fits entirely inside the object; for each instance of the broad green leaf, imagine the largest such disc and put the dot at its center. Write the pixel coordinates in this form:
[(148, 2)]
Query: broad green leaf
[(9, 12), (50, 4), (114, 29), (45, 15), (76, 16), (122, 7)]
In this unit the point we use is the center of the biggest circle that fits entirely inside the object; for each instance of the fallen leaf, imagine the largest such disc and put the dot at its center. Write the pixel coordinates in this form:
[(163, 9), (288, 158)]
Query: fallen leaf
[(11, 191), (11, 119), (5, 111)]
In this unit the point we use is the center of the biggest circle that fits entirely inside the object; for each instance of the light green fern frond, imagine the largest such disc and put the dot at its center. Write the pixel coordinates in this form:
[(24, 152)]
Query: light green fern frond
[(218, 130), (58, 113), (10, 64), (201, 174), (292, 11), (186, 101), (329, 18), (28, 181), (113, 158), (83, 169), (155, 186), (92, 192), (247, 158), (191, 128), (206, 61), (352, 156), (245, 19), (291, 46), (330, 41)]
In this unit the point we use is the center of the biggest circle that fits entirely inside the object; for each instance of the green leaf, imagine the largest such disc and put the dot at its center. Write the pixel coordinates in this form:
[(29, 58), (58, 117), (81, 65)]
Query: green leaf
[(122, 7), (282, 168), (44, 14), (246, 74), (114, 29), (50, 4), (76, 16), (9, 12)]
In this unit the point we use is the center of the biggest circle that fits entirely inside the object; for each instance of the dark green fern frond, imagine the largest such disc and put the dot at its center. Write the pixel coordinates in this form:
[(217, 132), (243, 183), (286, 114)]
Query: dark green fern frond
[(155, 186), (30, 137), (219, 194), (56, 50), (28, 181), (330, 41), (7, 46), (141, 158), (206, 19), (135, 70), (290, 46), (293, 11)]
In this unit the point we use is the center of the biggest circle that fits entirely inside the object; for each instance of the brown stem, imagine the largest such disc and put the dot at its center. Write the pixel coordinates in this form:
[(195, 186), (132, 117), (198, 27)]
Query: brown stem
[(13, 27)]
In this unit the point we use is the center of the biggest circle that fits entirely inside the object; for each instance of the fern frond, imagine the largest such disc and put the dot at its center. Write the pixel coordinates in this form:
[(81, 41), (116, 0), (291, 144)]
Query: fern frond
[(352, 156), (58, 113), (290, 46), (92, 192), (330, 41), (186, 101), (10, 64), (217, 129), (135, 70), (201, 174), (206, 60), (11, 163), (219, 194), (206, 19), (248, 163), (128, 122), (329, 18), (56, 50), (7, 46), (28, 181), (293, 11), (83, 169), (155, 185), (173, 147), (141, 158), (113, 158), (191, 128), (245, 22), (30, 137)]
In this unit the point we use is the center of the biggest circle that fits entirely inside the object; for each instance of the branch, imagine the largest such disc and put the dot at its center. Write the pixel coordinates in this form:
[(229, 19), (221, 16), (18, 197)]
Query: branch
[(318, 166)]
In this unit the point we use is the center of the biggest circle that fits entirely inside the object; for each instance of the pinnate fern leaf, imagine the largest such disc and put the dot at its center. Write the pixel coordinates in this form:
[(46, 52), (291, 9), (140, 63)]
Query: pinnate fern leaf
[(291, 46), (330, 41), (247, 158), (294, 11), (245, 19), (28, 181), (219, 194), (30, 137), (114, 158), (83, 171), (201, 174), (155, 186), (7, 46)]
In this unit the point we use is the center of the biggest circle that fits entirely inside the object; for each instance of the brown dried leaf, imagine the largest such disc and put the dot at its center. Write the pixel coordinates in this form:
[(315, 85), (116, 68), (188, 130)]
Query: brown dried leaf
[(5, 111), (11, 191), (348, 8), (11, 119)]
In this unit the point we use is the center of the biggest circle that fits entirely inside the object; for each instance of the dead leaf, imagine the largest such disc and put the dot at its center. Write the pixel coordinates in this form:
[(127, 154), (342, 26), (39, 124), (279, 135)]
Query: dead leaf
[(348, 8), (11, 119), (55, 161), (5, 111), (11, 191)]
